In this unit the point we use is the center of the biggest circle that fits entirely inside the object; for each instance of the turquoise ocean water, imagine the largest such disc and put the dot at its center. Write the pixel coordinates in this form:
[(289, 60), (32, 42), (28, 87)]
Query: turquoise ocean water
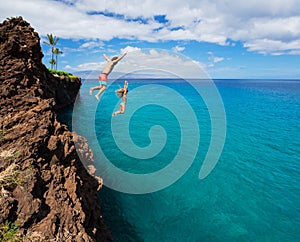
[(253, 193)]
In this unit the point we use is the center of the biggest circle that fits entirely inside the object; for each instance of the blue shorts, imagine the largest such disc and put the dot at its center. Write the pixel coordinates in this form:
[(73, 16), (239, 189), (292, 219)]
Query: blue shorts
[(103, 83)]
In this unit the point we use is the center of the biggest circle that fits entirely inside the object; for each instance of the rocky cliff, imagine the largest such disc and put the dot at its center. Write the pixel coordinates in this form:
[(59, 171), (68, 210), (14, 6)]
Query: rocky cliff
[(46, 194)]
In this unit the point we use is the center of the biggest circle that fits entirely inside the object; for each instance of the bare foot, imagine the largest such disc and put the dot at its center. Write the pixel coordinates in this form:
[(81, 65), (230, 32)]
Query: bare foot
[(91, 91), (97, 98), (114, 114)]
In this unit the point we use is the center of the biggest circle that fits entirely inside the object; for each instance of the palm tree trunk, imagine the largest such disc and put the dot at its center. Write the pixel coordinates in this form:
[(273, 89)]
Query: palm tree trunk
[(52, 66)]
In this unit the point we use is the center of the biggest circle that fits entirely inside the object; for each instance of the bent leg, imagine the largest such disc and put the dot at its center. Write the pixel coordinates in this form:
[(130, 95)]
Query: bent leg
[(102, 89), (121, 111), (94, 88), (122, 108)]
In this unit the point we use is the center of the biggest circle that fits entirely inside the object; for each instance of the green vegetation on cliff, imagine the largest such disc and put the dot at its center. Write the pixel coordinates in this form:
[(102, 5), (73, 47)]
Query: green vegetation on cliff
[(10, 232), (63, 73)]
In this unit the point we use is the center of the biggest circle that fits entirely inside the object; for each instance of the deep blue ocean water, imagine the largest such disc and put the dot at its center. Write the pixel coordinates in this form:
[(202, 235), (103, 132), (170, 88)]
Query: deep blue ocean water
[(253, 193)]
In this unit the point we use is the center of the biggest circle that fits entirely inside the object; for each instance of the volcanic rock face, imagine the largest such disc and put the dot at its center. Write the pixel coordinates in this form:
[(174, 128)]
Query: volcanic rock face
[(44, 188)]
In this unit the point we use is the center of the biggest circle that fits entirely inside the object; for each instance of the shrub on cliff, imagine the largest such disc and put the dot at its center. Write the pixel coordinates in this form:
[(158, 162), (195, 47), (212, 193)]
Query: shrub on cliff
[(70, 76), (60, 73)]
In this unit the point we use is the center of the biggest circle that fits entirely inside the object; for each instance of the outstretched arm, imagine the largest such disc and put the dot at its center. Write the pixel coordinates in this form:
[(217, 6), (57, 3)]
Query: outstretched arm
[(106, 57), (126, 86), (120, 57)]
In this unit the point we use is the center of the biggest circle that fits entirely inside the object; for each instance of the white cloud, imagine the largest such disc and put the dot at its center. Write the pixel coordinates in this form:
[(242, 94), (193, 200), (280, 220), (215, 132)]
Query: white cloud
[(130, 49), (71, 22), (163, 60), (218, 59), (214, 59), (294, 52), (252, 22), (142, 61), (91, 45), (178, 48), (86, 66), (275, 47), (68, 67)]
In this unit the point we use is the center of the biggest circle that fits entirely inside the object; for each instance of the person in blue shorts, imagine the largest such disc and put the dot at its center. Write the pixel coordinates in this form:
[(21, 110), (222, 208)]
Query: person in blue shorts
[(122, 93), (103, 77)]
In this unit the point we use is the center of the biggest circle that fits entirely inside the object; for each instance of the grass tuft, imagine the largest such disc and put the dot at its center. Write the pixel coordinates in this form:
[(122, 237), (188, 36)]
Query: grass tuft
[(12, 177), (9, 232)]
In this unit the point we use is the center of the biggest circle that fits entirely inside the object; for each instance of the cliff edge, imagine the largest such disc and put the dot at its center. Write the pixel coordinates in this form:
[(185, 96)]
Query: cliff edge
[(45, 191)]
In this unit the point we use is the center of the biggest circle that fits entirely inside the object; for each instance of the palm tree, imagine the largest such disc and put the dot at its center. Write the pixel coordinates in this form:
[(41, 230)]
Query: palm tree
[(57, 52), (52, 41), (52, 63)]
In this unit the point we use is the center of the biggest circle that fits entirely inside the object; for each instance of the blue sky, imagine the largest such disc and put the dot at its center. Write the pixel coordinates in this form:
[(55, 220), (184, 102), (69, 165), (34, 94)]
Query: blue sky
[(227, 39)]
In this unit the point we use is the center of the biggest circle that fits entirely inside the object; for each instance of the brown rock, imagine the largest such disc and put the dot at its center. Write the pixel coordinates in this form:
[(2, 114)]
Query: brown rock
[(53, 197), (53, 143)]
